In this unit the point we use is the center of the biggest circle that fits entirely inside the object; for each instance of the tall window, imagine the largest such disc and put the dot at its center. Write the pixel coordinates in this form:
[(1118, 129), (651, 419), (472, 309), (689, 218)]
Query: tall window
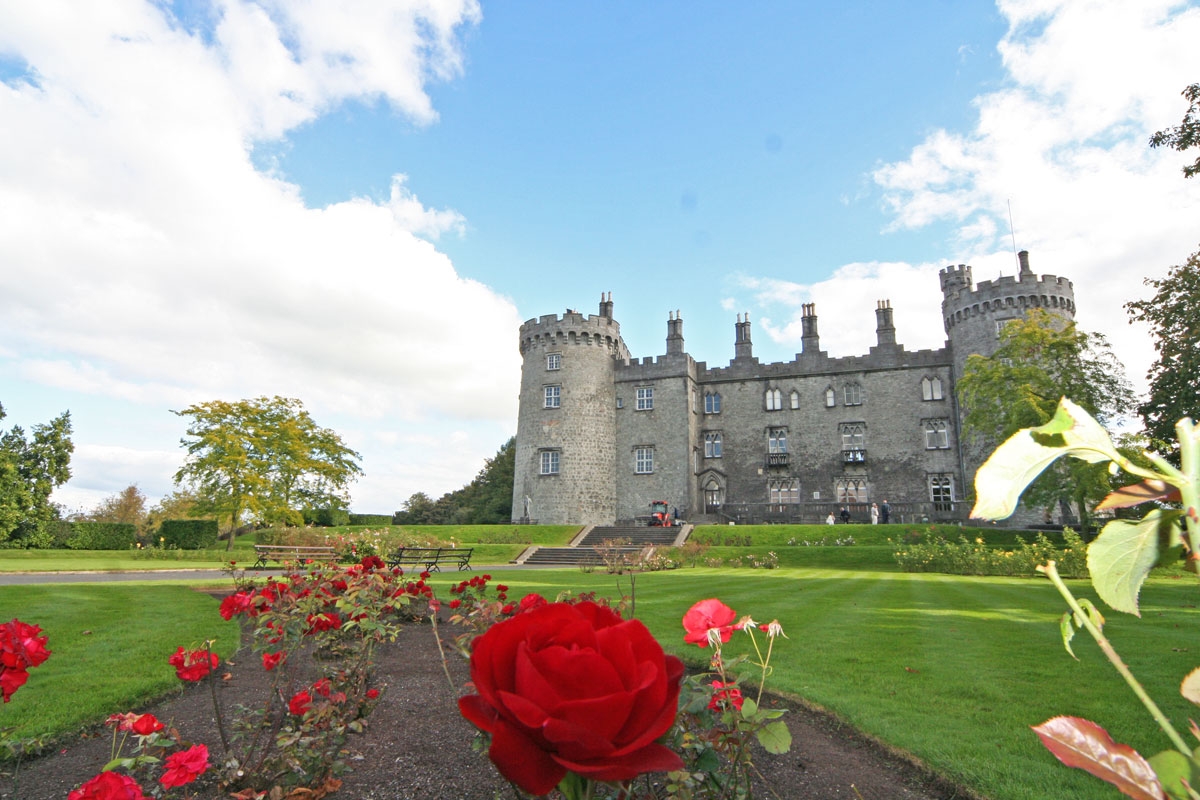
[(795, 398), (830, 397), (931, 388), (643, 460), (785, 490), (937, 434), (851, 490), (853, 394), (645, 398), (553, 361), (773, 399), (553, 396), (549, 462), (854, 442), (777, 440), (941, 491), (712, 403), (712, 444)]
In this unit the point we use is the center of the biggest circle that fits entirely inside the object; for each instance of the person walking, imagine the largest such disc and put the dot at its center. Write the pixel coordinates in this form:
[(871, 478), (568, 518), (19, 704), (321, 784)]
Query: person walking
[(874, 514), (884, 511), (845, 516)]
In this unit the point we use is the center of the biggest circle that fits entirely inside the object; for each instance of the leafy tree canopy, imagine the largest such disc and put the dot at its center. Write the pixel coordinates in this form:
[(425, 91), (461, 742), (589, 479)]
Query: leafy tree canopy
[(30, 469), (486, 500), (127, 505), (1042, 359), (263, 460), (1173, 314), (1187, 134)]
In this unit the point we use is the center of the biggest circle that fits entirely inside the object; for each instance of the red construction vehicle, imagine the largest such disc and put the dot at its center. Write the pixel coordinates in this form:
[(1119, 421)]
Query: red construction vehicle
[(660, 515)]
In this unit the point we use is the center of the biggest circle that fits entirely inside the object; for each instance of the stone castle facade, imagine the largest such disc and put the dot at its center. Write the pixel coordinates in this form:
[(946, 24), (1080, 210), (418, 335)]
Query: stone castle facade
[(601, 434)]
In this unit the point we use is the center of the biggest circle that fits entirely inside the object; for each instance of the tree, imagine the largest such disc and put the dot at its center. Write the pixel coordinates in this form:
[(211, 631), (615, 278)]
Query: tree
[(1173, 314), (29, 471), (1040, 360), (486, 500), (1187, 134), (418, 510), (127, 505), (264, 459)]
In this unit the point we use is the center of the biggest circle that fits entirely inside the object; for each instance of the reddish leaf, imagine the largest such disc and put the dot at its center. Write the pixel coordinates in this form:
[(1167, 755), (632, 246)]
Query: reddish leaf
[(1139, 493), (1079, 743)]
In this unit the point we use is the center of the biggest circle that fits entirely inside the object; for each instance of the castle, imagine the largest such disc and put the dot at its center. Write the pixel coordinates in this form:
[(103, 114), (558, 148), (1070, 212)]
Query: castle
[(601, 435)]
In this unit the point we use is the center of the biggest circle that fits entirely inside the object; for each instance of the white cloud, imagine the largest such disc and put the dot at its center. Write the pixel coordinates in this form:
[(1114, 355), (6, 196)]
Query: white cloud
[(146, 259)]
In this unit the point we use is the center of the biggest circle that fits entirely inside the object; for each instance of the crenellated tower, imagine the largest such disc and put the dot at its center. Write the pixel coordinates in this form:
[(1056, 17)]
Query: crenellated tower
[(566, 427)]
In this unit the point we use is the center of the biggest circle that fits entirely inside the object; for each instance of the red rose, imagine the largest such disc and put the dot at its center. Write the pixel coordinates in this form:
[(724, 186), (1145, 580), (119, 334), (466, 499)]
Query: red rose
[(300, 702), (146, 724), (726, 692), (193, 665), (323, 622), (272, 660), (455, 603), (322, 687), (11, 679), (372, 562), (532, 601), (109, 786), (708, 615), (20, 645), (235, 604), (185, 766), (573, 688), (372, 694)]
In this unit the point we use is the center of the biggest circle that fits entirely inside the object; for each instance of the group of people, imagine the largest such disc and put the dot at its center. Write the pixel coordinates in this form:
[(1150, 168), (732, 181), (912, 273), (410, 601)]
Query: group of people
[(879, 513)]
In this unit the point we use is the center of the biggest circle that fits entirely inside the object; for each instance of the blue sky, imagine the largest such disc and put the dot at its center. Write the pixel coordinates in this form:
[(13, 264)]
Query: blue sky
[(357, 204)]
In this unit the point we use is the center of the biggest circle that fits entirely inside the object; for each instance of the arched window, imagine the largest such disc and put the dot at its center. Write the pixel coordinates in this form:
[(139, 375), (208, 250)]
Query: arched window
[(937, 434), (795, 397), (853, 394), (712, 444), (830, 397), (712, 403), (931, 388), (773, 399)]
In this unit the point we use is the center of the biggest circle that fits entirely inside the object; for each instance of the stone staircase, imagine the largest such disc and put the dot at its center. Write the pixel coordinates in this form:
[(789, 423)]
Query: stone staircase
[(582, 551)]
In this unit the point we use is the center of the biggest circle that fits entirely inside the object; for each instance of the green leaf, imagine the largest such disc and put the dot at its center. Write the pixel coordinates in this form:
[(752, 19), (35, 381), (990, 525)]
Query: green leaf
[(749, 708), (1173, 768), (1085, 745), (1004, 476), (775, 738), (1190, 687), (1124, 553), (126, 763), (1068, 633)]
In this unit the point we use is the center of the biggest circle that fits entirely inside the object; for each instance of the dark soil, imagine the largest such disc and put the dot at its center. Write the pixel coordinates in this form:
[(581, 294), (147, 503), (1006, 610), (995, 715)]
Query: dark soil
[(417, 745)]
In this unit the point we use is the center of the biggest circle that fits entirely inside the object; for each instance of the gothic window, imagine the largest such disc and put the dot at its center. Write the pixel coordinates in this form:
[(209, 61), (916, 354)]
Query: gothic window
[(853, 394), (786, 490), (795, 398), (931, 388), (712, 444), (643, 460), (937, 434), (712, 403), (712, 494), (941, 491), (549, 459), (851, 490), (830, 397), (553, 396), (777, 440), (854, 442), (773, 399), (645, 398), (554, 361)]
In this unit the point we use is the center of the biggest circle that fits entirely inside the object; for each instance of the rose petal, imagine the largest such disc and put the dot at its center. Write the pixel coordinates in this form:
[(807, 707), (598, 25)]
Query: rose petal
[(522, 761)]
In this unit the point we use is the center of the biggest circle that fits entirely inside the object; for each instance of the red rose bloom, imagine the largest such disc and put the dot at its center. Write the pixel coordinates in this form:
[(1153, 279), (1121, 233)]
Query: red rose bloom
[(235, 604), (323, 622), (300, 702), (727, 692), (109, 786), (11, 679), (708, 615), (573, 688), (20, 645), (372, 562), (272, 660), (372, 694), (532, 601), (146, 724), (455, 603), (193, 665), (185, 766)]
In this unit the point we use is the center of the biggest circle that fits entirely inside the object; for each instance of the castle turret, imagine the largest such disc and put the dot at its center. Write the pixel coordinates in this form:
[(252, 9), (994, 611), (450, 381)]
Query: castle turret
[(566, 428), (743, 348), (674, 333)]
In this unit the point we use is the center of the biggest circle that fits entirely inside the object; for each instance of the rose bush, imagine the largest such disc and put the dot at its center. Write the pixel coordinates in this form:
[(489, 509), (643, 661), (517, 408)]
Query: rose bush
[(573, 689)]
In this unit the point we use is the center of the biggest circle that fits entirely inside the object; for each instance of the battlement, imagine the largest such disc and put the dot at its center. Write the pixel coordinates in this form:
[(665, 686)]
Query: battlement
[(573, 328)]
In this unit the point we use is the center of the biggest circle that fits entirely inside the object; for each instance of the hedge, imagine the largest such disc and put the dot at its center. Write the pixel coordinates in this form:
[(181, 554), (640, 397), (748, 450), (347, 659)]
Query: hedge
[(188, 534), (370, 519), (102, 536), (330, 517)]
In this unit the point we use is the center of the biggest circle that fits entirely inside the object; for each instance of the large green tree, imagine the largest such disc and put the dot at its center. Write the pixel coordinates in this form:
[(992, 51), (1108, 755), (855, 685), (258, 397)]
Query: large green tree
[(1187, 134), (486, 500), (127, 505), (263, 460), (1041, 359), (30, 469)]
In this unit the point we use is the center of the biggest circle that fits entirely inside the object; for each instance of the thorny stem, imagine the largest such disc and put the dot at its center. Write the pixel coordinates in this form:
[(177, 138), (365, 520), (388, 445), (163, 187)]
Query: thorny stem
[(438, 640), (212, 687), (1049, 570)]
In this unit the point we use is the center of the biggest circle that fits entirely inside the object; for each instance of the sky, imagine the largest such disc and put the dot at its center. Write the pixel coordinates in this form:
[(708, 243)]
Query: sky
[(357, 203)]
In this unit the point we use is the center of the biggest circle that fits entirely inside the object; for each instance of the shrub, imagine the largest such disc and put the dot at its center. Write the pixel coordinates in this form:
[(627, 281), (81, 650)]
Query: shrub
[(966, 557), (102, 536), (188, 534), (370, 519), (330, 517)]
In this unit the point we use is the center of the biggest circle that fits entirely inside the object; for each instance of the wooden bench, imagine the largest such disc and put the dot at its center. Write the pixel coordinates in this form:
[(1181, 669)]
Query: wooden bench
[(431, 558), (283, 553)]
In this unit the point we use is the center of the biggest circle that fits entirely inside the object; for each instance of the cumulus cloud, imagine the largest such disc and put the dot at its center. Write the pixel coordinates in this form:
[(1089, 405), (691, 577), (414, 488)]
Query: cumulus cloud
[(147, 259)]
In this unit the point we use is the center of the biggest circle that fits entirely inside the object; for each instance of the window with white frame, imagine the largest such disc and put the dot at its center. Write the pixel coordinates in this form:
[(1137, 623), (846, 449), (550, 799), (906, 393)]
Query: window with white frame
[(941, 491), (784, 490), (851, 490), (931, 388), (853, 394), (854, 435), (553, 361), (712, 403), (553, 396), (643, 460), (777, 440), (549, 459), (773, 399), (795, 399), (937, 434), (645, 398), (712, 444), (830, 397)]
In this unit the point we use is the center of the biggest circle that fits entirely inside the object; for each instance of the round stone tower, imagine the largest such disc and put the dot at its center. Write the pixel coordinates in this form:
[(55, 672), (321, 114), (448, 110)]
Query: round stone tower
[(566, 423)]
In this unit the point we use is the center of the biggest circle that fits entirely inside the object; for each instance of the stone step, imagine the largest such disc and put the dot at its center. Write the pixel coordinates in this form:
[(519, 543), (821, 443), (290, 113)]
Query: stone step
[(570, 556)]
